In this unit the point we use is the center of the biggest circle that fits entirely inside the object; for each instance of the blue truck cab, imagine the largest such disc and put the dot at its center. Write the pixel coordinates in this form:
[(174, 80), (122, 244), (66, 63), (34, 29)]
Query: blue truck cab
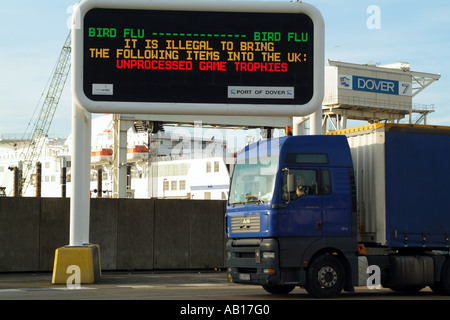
[(291, 206)]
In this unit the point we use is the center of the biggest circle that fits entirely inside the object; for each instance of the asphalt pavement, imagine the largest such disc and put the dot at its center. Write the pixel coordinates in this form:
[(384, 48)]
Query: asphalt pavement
[(171, 286), (19, 284)]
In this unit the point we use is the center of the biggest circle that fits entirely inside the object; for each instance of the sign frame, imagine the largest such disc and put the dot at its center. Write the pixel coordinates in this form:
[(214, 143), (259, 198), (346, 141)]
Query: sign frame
[(169, 108)]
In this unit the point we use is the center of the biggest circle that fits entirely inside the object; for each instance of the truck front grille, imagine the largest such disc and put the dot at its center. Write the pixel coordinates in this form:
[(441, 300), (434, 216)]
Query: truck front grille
[(242, 224)]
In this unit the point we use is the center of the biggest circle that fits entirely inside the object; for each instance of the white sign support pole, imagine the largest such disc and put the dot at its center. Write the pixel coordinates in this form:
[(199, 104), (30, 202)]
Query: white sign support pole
[(87, 176), (79, 252), (316, 122), (79, 202)]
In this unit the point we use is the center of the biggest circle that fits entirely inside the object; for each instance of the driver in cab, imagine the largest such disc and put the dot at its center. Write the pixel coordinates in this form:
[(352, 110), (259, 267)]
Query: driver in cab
[(302, 189)]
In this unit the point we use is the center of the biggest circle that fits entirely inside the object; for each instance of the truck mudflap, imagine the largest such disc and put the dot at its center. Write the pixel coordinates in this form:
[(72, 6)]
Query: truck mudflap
[(253, 261)]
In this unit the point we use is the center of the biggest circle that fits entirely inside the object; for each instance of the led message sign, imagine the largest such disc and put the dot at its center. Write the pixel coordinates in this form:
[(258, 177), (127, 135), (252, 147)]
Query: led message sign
[(198, 57)]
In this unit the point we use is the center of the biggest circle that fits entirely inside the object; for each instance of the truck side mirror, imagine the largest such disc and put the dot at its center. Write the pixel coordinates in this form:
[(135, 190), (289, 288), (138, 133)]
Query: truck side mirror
[(288, 186), (290, 182)]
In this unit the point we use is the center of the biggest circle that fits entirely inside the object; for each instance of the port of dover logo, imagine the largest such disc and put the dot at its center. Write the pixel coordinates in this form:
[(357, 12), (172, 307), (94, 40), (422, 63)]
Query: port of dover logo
[(260, 92), (345, 82)]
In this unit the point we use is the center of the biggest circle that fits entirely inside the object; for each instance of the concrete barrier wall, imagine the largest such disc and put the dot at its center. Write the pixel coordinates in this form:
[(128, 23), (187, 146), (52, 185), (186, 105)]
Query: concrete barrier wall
[(54, 225), (133, 234), (19, 234), (135, 237)]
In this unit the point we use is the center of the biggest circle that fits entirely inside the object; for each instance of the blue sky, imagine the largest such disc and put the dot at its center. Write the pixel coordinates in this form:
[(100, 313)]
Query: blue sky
[(33, 32)]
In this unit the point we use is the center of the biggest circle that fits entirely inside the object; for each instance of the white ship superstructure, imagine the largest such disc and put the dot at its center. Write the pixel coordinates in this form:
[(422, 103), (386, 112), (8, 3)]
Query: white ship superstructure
[(54, 155), (162, 165)]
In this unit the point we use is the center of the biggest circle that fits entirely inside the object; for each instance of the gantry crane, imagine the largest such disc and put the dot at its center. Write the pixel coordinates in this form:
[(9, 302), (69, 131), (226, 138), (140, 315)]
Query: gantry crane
[(42, 124)]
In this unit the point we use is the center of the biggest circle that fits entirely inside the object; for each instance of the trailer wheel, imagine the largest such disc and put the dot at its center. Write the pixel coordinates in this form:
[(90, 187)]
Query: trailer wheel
[(278, 289), (325, 277), (443, 287)]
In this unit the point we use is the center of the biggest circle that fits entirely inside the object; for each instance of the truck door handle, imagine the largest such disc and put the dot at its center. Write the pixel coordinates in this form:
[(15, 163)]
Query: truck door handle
[(319, 226)]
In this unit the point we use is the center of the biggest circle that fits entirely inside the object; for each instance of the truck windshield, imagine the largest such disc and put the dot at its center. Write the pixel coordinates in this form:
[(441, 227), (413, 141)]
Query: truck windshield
[(254, 182)]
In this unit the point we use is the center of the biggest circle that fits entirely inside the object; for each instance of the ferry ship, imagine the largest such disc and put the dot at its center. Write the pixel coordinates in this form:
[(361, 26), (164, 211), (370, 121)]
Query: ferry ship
[(171, 164)]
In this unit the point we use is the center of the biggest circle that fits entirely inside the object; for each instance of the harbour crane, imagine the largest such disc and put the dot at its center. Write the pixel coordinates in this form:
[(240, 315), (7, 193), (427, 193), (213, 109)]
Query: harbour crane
[(44, 119)]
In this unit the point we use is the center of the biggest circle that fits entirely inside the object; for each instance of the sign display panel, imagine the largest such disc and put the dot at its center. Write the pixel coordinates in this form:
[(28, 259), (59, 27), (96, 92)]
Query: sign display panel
[(171, 56)]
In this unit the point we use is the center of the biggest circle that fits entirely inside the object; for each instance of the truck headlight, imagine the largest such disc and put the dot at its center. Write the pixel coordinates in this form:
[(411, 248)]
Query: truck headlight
[(268, 255)]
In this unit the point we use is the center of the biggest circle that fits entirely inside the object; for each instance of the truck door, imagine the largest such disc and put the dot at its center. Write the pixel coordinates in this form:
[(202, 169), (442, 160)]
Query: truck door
[(303, 213)]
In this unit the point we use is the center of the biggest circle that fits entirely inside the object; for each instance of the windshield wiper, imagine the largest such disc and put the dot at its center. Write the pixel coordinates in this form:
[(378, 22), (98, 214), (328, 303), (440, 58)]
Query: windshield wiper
[(248, 202), (235, 203)]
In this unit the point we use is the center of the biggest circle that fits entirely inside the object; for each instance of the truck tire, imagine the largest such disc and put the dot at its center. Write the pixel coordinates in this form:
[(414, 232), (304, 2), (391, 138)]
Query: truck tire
[(278, 289), (325, 277), (443, 287)]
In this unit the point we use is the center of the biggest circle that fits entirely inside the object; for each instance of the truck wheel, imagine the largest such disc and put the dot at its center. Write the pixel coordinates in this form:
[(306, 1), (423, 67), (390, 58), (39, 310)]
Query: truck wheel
[(443, 287), (325, 277), (278, 289)]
